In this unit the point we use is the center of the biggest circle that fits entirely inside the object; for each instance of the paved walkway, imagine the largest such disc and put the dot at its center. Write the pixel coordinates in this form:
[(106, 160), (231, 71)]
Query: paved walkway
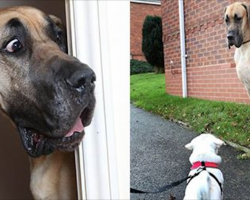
[(158, 157)]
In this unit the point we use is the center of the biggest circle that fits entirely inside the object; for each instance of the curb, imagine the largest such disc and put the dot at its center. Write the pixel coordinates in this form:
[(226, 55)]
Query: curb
[(239, 147), (243, 156)]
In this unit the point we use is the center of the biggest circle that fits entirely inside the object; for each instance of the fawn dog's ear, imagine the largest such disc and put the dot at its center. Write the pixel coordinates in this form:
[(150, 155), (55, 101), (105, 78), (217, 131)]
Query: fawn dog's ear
[(61, 33), (247, 7), (57, 21)]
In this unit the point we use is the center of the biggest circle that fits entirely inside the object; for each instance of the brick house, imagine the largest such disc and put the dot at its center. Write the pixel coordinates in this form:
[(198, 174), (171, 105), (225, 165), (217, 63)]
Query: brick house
[(211, 72), (139, 9)]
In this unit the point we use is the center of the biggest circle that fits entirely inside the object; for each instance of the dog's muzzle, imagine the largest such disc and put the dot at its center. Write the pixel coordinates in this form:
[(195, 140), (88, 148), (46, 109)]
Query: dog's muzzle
[(61, 127), (234, 38), (231, 38)]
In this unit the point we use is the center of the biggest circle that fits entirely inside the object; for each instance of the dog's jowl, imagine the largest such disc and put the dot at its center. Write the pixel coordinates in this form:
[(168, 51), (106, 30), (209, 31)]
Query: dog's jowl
[(48, 95)]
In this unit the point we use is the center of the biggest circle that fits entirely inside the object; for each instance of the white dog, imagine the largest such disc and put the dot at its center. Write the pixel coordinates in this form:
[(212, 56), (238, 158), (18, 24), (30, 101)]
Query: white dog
[(206, 180)]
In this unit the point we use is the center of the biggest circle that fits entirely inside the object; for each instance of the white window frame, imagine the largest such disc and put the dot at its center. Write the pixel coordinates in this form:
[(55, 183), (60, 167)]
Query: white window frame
[(146, 2), (99, 35)]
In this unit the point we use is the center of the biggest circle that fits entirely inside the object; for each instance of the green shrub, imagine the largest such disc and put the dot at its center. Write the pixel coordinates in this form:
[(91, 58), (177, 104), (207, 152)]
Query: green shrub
[(140, 67), (152, 45)]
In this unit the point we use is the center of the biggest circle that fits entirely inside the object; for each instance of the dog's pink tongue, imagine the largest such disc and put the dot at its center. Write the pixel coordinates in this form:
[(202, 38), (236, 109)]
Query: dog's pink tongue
[(78, 127)]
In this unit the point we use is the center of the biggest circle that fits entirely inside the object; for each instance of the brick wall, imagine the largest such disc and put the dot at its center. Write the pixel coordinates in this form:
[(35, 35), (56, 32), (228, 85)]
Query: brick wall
[(211, 70), (138, 12)]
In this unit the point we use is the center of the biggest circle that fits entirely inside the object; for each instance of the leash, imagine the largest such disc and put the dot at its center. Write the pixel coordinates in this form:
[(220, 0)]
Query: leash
[(201, 167), (162, 189)]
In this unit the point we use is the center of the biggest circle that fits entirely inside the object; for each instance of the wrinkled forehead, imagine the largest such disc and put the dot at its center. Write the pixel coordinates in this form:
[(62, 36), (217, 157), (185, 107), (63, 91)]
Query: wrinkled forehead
[(23, 18), (236, 8)]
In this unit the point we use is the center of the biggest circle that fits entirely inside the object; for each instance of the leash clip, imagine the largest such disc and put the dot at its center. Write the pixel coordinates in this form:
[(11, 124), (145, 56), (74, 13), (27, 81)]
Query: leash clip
[(200, 168), (203, 165)]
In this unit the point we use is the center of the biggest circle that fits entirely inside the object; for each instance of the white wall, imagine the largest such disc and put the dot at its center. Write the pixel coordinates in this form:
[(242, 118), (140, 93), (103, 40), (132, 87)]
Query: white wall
[(14, 164)]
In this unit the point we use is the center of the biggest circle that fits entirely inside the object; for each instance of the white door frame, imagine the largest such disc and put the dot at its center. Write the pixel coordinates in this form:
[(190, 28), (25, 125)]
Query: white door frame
[(99, 35)]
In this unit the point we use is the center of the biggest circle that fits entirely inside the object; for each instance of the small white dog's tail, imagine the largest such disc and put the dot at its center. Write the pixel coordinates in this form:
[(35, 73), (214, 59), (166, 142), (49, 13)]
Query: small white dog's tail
[(204, 193)]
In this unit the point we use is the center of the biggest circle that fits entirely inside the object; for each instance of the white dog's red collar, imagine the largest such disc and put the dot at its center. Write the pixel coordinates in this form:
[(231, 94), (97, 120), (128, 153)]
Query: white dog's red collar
[(200, 166), (204, 164)]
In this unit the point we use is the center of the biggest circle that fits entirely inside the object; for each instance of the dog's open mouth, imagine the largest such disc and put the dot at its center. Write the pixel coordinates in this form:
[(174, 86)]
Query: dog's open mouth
[(37, 144)]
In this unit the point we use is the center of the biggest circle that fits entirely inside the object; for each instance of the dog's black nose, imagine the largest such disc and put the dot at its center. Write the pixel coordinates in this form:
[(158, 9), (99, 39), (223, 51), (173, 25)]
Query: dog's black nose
[(230, 35), (82, 78)]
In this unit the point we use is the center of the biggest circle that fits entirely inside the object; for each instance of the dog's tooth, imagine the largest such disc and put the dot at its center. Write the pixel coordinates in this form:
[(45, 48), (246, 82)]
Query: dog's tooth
[(66, 139), (76, 134)]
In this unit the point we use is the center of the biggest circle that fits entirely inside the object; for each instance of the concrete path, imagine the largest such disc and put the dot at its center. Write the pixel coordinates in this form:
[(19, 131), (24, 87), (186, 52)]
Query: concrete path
[(158, 157)]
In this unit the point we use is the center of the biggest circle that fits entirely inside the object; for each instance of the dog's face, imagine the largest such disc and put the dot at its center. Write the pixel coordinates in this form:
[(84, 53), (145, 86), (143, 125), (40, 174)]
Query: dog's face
[(205, 143), (237, 20), (45, 92)]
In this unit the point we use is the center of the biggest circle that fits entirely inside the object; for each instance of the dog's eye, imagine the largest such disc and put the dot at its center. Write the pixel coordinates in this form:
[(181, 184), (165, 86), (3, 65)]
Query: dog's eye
[(237, 18), (14, 46), (227, 19), (59, 36)]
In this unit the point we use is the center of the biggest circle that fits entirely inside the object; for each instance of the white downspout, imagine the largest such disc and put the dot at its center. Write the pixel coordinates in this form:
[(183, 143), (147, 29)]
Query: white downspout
[(183, 52)]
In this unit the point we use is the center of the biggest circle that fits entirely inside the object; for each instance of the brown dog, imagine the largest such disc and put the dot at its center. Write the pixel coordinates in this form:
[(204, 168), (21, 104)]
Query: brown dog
[(47, 94), (237, 20)]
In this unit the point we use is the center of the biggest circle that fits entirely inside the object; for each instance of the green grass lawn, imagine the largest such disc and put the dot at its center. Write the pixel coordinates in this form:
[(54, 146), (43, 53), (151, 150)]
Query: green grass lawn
[(229, 121)]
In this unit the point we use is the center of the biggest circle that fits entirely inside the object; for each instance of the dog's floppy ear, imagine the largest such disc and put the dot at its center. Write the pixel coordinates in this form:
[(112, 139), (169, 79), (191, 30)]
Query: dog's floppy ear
[(189, 146), (224, 11), (247, 7), (61, 33), (219, 142), (57, 21)]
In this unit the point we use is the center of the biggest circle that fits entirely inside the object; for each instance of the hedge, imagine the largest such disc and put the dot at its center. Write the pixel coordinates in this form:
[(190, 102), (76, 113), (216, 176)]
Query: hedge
[(140, 67)]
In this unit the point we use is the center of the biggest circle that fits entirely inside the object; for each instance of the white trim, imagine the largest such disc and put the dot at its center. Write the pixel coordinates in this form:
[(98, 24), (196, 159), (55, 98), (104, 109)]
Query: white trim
[(146, 2), (103, 159), (119, 45), (72, 50)]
